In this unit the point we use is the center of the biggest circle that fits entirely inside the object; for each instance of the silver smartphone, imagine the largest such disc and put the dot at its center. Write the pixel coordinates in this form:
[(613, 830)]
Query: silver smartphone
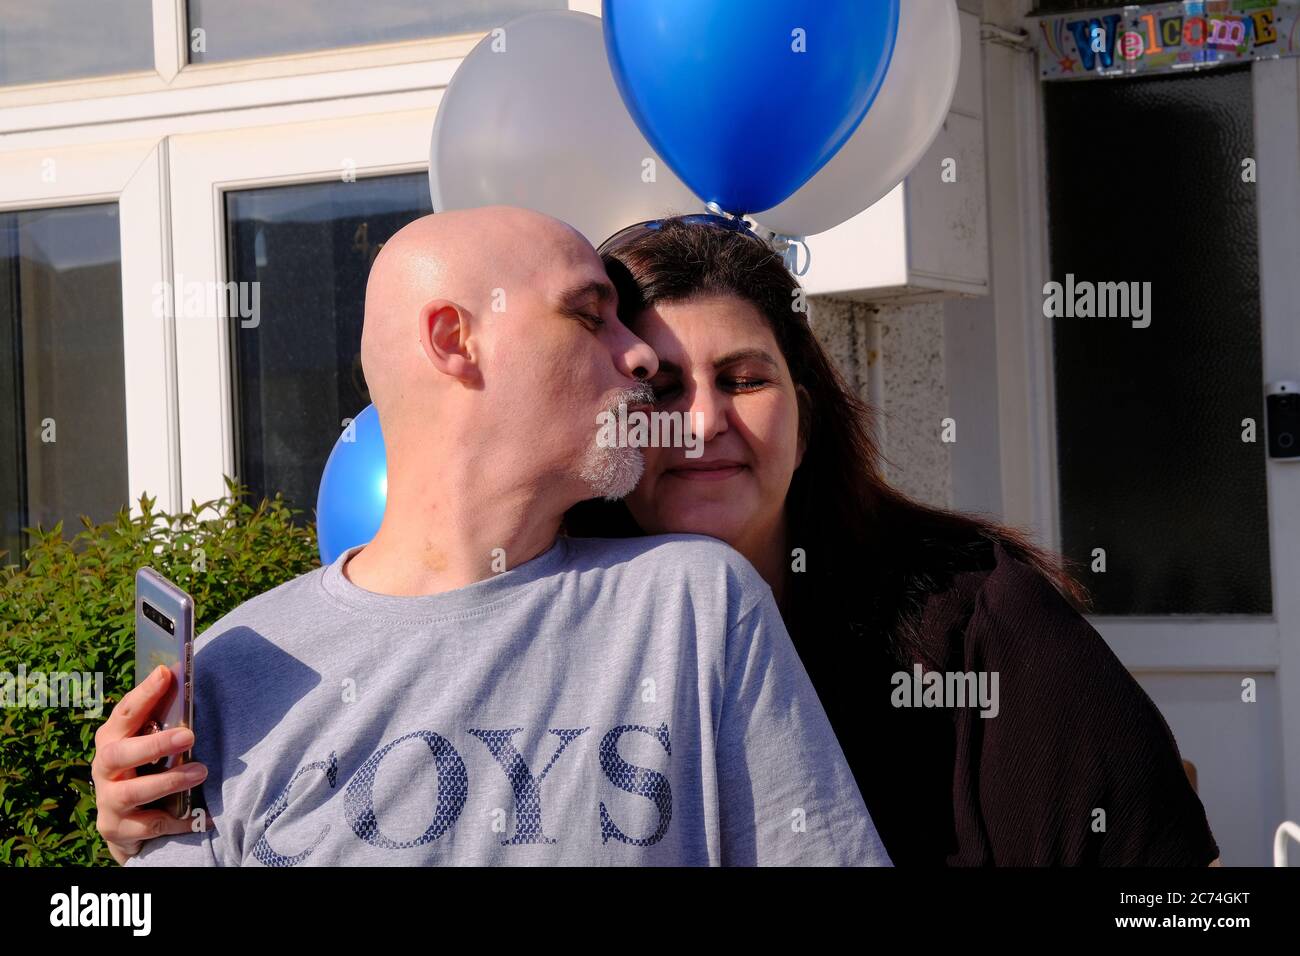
[(164, 634)]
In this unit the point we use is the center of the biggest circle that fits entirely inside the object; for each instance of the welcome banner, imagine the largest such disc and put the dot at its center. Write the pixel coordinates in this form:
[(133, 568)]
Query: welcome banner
[(1165, 37)]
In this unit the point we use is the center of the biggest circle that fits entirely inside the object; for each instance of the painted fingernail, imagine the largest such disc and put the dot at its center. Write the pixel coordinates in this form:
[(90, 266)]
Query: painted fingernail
[(195, 771)]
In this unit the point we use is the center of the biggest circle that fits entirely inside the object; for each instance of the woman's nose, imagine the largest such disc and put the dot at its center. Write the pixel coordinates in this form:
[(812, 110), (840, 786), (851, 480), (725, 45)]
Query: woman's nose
[(708, 412)]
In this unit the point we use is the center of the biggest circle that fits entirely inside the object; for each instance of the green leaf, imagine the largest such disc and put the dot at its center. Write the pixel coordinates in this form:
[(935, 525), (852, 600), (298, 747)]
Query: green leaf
[(67, 604)]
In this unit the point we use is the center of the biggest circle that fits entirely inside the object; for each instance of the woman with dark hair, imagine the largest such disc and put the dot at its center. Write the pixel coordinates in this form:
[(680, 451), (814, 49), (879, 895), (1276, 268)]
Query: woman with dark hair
[(1059, 757)]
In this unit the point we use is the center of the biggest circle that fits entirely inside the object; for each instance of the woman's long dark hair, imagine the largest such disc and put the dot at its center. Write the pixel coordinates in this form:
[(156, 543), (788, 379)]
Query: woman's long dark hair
[(873, 554)]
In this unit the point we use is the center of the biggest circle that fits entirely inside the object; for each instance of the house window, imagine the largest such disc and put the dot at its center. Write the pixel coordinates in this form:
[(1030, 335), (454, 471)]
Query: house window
[(298, 374), (66, 39), (62, 384), (240, 29)]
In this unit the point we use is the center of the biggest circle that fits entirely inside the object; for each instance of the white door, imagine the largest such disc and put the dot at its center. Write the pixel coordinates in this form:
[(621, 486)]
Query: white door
[(1228, 684)]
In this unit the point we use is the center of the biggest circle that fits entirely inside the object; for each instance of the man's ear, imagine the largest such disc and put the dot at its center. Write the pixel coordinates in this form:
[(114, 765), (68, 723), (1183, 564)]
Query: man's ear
[(805, 421), (445, 338)]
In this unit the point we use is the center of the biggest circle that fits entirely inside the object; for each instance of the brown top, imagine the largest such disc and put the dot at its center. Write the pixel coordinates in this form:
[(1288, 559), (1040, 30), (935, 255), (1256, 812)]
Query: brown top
[(1077, 766)]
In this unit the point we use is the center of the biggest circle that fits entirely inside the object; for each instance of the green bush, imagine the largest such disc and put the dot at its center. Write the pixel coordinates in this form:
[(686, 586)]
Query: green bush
[(71, 608)]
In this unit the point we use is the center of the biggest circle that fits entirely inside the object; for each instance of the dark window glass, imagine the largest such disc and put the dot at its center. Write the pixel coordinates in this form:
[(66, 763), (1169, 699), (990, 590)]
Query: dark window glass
[(1145, 185), (298, 369), (64, 39), (240, 29), (62, 385)]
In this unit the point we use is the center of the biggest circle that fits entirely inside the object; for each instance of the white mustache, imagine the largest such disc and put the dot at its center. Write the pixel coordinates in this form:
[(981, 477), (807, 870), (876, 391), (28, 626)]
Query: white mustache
[(641, 394)]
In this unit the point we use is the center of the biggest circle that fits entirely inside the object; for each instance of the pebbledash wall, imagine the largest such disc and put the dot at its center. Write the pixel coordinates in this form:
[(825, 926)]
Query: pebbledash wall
[(894, 357)]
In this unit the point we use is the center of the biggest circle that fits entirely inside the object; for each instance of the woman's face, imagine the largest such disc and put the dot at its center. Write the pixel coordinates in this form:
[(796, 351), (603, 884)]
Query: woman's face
[(719, 365)]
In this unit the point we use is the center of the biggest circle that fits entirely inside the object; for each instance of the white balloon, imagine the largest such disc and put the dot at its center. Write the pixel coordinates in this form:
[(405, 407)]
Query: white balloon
[(903, 121), (533, 118)]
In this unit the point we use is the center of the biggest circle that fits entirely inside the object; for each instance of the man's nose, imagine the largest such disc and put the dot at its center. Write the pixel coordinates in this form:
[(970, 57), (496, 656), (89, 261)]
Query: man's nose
[(634, 358)]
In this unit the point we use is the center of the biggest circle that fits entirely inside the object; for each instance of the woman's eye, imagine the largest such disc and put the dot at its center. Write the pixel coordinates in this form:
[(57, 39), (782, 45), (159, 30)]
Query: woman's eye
[(745, 384)]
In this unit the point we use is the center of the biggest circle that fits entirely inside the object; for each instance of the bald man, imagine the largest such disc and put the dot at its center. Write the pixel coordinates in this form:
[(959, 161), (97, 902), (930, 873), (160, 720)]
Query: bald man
[(470, 687)]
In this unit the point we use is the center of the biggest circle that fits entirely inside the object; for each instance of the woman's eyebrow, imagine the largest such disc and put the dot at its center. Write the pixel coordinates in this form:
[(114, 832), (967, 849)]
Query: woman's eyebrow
[(731, 358), (741, 355)]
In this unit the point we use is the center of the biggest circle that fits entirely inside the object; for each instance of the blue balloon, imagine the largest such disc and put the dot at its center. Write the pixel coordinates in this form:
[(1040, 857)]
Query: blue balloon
[(353, 488), (747, 99)]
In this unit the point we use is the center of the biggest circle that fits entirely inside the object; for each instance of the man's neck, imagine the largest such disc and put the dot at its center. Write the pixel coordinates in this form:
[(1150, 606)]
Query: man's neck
[(431, 546)]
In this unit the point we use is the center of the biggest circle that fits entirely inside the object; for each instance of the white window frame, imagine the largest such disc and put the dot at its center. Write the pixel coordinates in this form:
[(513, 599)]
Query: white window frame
[(141, 93), (204, 166), (131, 174)]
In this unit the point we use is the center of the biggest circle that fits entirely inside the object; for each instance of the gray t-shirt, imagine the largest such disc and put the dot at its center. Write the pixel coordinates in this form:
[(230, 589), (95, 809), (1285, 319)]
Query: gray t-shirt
[(610, 702)]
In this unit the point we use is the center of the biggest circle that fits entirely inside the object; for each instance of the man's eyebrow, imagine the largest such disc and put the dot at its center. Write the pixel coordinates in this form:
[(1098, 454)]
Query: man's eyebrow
[(570, 299), (731, 358)]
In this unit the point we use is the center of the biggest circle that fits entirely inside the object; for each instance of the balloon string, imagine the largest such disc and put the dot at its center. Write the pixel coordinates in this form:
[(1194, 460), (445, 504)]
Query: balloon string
[(788, 247), (717, 210), (784, 245)]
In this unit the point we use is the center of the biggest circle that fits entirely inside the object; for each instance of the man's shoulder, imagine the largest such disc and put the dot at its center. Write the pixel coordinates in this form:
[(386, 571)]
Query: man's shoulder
[(257, 645), (693, 561), (285, 602), (685, 555)]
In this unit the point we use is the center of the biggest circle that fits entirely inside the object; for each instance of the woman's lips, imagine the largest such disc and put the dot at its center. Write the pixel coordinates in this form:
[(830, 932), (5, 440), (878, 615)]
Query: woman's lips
[(707, 471)]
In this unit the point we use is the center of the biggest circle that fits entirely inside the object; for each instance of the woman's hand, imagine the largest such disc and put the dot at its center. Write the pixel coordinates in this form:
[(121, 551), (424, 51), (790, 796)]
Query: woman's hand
[(120, 791)]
